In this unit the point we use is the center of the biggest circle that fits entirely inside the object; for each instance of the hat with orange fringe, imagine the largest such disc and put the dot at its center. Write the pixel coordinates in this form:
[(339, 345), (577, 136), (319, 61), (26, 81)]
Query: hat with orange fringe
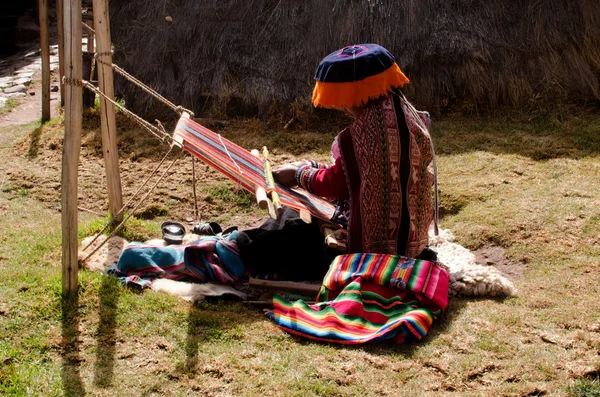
[(355, 74)]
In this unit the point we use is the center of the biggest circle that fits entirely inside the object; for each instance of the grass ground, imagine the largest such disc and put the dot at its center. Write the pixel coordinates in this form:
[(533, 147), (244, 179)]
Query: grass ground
[(528, 186), (10, 104)]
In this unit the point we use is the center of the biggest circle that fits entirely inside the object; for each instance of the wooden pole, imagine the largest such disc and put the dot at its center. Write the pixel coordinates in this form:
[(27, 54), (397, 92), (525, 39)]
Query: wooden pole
[(107, 111), (45, 50), (300, 288), (261, 194), (61, 47), (72, 144), (90, 42)]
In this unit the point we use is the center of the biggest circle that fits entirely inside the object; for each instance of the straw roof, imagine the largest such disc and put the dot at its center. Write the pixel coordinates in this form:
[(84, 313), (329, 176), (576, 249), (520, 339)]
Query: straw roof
[(259, 52)]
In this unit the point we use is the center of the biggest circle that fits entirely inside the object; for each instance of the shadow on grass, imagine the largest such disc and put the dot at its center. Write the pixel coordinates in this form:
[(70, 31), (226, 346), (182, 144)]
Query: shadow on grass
[(106, 332), (71, 372), (34, 143), (194, 336), (408, 348), (217, 321)]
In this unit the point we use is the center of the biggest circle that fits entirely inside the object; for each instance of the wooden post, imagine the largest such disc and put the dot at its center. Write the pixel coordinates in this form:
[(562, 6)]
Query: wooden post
[(61, 47), (90, 38), (71, 144), (107, 111), (45, 50)]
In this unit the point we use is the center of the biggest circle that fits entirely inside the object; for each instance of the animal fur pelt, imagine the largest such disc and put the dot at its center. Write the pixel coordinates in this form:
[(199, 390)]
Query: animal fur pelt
[(467, 278), (105, 256), (194, 291)]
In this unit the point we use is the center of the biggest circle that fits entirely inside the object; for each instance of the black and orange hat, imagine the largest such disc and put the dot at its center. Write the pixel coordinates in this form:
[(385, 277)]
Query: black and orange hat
[(353, 75)]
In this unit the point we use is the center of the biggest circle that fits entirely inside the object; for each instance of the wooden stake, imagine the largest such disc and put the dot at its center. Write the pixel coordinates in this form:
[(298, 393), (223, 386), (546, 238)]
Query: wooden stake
[(45, 50), (107, 111), (300, 288), (196, 213), (61, 47), (261, 194), (72, 145)]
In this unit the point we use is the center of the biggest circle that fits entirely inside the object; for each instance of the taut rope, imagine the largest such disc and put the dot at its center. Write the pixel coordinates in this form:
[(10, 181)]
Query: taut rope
[(120, 225), (131, 199), (157, 132), (178, 109)]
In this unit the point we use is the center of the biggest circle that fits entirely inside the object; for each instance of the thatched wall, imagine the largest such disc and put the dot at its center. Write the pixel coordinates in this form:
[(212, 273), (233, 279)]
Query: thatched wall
[(487, 53)]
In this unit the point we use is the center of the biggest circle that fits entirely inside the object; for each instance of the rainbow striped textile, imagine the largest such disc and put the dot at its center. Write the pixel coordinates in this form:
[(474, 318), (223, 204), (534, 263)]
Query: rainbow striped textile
[(368, 298), (242, 167), (211, 258)]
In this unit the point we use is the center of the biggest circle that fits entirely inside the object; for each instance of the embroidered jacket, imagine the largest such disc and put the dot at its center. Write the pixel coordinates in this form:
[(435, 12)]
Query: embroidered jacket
[(383, 178)]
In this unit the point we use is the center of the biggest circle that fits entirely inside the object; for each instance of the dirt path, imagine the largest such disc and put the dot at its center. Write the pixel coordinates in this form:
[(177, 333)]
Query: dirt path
[(30, 107)]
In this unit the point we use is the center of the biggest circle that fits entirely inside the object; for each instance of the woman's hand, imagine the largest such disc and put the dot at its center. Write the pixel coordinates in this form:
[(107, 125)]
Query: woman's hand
[(285, 174)]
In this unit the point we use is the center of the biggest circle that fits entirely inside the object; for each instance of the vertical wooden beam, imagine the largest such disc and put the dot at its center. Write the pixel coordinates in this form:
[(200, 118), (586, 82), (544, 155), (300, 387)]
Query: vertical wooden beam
[(45, 52), (61, 47), (107, 111), (90, 38), (71, 144)]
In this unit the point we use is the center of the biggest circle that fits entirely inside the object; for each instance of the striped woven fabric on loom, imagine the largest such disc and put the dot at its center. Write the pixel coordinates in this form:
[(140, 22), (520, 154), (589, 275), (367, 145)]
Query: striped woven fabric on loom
[(242, 167), (368, 298)]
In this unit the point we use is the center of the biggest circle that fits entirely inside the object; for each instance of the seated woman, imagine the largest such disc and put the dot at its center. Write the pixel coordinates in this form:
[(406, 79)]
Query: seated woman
[(381, 174), (380, 177)]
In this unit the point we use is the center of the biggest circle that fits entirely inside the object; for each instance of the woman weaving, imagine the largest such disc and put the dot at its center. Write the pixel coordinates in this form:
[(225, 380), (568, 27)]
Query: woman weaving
[(381, 173), (380, 176)]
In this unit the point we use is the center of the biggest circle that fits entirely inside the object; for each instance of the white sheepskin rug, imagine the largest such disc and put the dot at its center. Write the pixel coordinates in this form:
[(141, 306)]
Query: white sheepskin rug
[(194, 291), (101, 260), (468, 278)]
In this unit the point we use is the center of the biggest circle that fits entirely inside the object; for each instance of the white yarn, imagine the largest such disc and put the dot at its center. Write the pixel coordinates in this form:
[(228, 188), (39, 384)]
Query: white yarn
[(468, 278)]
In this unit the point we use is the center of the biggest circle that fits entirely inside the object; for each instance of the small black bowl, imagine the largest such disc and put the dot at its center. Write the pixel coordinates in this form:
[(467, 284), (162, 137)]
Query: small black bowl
[(173, 232)]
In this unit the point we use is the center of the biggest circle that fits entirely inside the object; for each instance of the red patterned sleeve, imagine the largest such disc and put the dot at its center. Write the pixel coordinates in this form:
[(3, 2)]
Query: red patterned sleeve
[(328, 182)]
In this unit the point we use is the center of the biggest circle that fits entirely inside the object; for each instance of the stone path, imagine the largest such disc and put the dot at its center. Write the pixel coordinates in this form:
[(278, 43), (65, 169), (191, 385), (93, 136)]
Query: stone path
[(18, 80)]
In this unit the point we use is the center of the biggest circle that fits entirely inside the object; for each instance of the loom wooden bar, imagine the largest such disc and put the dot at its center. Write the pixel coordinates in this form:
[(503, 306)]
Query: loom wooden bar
[(271, 183), (332, 241), (261, 194), (305, 216), (289, 286), (267, 304), (71, 145), (107, 111), (61, 47), (45, 53)]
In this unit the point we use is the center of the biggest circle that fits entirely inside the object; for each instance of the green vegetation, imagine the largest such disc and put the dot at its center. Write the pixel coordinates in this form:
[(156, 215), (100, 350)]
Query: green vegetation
[(585, 388), (10, 104)]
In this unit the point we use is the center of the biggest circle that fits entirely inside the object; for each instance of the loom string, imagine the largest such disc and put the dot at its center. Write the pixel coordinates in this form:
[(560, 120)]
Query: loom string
[(239, 185)]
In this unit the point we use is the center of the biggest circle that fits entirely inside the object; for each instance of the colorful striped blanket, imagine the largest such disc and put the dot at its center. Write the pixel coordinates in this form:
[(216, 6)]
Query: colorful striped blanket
[(242, 167), (367, 298), (211, 258)]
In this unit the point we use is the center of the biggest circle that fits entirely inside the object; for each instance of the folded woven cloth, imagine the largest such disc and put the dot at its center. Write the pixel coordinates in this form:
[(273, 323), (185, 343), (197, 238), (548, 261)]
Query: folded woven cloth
[(367, 298), (211, 258)]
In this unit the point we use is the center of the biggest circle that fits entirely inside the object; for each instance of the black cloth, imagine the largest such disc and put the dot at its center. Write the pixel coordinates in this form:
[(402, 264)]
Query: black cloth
[(287, 247)]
